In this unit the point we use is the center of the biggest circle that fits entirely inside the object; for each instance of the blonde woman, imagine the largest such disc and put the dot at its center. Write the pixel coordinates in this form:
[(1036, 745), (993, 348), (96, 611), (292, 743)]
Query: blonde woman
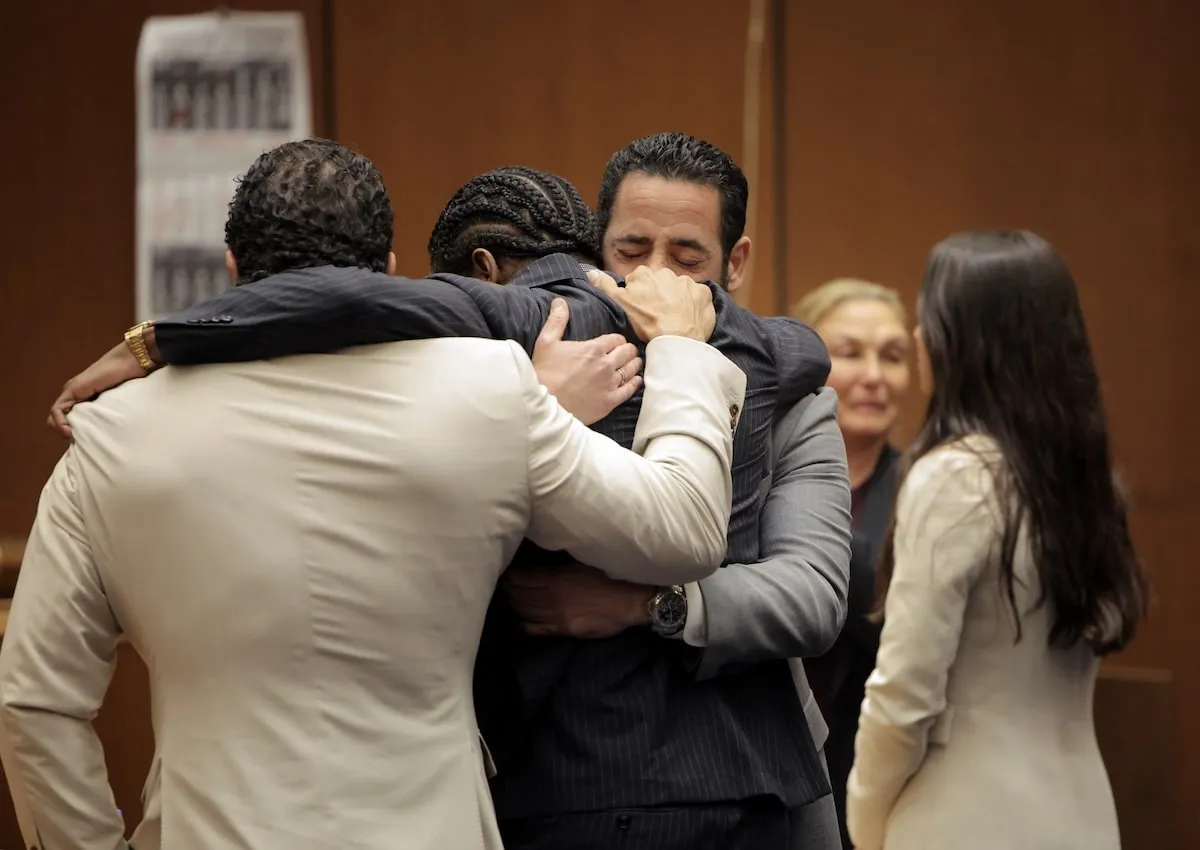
[(863, 326)]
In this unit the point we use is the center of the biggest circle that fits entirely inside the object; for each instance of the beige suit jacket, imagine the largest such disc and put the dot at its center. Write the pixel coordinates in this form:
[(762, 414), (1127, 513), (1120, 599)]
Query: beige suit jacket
[(967, 738), (303, 551)]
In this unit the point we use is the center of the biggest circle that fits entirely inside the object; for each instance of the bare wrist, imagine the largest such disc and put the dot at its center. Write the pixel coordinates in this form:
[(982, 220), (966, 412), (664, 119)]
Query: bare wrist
[(639, 615), (689, 332)]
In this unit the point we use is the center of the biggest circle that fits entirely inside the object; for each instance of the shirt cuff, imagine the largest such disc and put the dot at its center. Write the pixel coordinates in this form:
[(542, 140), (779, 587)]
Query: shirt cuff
[(695, 629)]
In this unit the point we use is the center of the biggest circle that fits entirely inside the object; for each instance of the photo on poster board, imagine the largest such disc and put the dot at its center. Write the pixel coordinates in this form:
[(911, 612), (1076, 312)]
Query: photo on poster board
[(213, 92)]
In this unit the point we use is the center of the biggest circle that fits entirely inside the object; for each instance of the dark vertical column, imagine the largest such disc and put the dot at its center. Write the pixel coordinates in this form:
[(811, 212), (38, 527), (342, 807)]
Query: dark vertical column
[(328, 87), (780, 152)]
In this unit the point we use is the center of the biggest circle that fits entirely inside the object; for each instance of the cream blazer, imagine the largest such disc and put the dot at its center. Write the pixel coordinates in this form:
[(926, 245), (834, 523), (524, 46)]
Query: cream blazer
[(303, 551), (967, 739)]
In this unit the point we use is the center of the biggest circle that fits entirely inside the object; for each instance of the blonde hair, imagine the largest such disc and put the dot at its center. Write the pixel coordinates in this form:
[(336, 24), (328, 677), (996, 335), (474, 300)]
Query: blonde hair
[(816, 305)]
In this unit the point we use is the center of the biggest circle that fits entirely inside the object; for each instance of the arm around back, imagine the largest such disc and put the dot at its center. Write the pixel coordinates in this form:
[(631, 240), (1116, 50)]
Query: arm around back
[(310, 311), (660, 518)]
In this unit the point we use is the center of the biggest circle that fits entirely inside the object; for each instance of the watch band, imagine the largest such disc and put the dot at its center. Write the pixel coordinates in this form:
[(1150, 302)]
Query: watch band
[(136, 340)]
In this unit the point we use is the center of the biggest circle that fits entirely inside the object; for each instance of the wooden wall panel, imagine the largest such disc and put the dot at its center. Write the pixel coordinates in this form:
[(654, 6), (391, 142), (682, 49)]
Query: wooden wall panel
[(1150, 813), (67, 227), (437, 93), (1079, 120)]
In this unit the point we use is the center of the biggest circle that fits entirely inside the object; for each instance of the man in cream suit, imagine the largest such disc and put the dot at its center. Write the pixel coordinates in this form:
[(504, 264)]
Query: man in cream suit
[(303, 551)]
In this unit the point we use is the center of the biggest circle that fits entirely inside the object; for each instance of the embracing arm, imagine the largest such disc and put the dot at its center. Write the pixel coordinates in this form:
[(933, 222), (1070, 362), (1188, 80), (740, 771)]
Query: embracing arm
[(58, 655), (311, 311), (792, 603), (656, 519), (945, 527), (801, 358)]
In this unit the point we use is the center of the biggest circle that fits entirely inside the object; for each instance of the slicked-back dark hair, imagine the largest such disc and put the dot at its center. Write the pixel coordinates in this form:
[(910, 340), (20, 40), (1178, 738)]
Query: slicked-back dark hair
[(516, 213), (309, 203), (678, 156), (1010, 357)]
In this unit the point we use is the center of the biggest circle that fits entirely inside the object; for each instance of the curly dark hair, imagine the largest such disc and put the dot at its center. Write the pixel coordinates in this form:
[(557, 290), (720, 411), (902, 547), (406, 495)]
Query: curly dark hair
[(309, 203), (514, 212), (678, 156)]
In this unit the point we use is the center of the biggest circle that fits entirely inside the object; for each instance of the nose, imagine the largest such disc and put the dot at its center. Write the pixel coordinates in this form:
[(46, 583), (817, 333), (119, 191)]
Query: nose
[(872, 373), (659, 258)]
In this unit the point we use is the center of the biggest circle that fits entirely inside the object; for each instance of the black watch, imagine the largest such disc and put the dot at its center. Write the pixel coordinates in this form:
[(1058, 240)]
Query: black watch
[(668, 610)]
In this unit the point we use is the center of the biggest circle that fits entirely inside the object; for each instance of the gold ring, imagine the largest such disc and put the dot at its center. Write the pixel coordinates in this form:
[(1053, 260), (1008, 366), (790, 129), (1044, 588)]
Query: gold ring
[(621, 372)]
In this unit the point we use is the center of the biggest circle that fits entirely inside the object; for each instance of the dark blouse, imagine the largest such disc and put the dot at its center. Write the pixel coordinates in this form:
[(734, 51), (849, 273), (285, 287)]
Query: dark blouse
[(839, 677)]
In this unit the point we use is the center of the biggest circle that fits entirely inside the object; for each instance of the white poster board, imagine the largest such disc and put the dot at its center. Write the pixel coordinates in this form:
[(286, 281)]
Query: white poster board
[(213, 92)]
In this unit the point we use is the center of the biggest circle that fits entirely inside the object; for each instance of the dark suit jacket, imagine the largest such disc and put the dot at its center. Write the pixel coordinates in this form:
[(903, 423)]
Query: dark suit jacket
[(324, 309), (839, 677)]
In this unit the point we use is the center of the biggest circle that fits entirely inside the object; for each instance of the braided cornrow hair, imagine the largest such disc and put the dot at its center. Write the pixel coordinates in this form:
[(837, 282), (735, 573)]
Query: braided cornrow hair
[(513, 212)]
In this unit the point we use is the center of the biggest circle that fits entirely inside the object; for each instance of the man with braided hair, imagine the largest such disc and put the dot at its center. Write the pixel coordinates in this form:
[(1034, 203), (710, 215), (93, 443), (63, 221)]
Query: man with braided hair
[(502, 228), (517, 214)]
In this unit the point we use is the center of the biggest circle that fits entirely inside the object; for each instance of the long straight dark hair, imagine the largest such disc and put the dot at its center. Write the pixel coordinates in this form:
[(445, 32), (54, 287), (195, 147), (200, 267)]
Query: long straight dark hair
[(1010, 359)]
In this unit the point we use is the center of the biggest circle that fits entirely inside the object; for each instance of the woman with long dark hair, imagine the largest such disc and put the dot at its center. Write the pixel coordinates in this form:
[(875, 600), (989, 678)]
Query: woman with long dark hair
[(1007, 572)]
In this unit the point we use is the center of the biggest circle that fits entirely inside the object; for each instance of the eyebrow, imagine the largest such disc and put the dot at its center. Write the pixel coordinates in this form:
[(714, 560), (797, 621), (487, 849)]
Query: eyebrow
[(694, 244), (847, 336)]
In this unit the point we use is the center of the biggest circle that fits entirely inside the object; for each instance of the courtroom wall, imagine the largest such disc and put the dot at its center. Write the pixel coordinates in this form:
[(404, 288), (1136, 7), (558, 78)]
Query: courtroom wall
[(900, 125)]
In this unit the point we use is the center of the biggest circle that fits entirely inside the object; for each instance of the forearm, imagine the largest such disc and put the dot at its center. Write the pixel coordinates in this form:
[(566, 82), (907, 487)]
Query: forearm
[(56, 763), (661, 518), (313, 311), (56, 661), (777, 608), (890, 746)]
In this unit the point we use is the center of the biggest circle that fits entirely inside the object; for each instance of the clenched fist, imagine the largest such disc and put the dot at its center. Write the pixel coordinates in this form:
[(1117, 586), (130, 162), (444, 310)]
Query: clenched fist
[(659, 302)]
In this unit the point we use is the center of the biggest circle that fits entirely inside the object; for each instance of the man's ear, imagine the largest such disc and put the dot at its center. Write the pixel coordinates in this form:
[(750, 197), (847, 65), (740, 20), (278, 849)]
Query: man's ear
[(231, 266), (391, 266), (484, 266), (738, 259)]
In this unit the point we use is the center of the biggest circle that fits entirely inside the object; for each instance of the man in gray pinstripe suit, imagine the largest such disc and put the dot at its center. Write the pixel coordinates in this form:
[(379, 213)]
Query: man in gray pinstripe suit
[(672, 201)]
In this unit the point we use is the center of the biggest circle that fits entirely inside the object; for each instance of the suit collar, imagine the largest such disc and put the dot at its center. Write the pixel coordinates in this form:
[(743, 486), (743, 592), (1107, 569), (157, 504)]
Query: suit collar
[(553, 268)]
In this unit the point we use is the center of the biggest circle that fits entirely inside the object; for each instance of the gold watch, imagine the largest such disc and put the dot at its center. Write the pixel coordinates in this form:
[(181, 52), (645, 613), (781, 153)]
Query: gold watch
[(136, 340)]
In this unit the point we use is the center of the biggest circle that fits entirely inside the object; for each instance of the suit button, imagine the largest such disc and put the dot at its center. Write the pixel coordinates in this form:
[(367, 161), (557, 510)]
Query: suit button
[(734, 410), (224, 319), (194, 321)]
